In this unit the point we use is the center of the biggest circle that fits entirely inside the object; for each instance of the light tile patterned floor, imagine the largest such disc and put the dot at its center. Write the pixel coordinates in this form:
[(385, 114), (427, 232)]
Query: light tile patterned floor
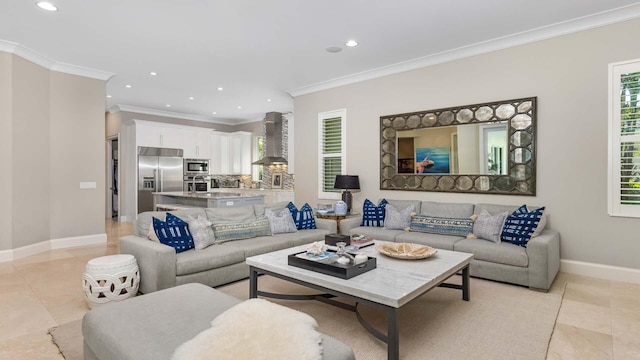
[(598, 319)]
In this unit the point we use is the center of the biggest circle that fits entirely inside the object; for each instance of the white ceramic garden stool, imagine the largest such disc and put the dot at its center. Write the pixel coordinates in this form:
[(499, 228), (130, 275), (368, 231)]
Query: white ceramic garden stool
[(110, 278)]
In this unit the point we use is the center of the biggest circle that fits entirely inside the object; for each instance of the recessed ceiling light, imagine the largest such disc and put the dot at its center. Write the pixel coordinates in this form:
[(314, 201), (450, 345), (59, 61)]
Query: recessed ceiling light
[(45, 5), (268, 99), (239, 107), (128, 86), (220, 89), (153, 73), (351, 43), (191, 98), (334, 49), (109, 96), (168, 105), (214, 113)]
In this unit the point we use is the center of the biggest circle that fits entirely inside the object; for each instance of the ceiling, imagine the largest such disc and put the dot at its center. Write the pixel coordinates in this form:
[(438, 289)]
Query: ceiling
[(264, 52)]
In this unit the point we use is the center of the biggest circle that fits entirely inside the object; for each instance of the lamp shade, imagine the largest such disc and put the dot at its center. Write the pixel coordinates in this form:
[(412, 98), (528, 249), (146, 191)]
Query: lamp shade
[(350, 182)]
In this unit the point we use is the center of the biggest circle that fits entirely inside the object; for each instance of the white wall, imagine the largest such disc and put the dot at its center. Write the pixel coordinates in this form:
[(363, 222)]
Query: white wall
[(53, 127), (568, 74)]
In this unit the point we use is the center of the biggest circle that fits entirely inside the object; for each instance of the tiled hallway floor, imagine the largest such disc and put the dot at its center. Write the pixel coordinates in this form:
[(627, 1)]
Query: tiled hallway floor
[(598, 319)]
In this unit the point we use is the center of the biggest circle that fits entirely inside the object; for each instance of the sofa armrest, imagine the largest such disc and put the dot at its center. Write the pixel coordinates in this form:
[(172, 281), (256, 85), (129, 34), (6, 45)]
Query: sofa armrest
[(349, 223), (327, 224), (157, 262), (544, 259)]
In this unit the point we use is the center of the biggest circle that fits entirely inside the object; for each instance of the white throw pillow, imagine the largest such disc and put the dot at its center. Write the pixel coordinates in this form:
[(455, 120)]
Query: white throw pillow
[(541, 224), (488, 227), (201, 231), (398, 220), (281, 222)]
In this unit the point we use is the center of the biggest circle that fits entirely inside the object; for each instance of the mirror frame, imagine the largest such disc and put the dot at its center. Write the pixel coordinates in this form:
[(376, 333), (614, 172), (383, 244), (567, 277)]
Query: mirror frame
[(521, 164)]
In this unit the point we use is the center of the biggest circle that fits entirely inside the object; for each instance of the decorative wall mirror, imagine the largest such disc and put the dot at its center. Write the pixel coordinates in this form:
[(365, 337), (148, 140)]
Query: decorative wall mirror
[(483, 148)]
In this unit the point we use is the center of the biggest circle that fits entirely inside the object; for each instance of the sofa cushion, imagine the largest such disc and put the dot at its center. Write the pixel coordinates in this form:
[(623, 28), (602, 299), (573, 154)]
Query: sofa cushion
[(213, 257), (143, 220), (520, 225), (395, 219), (503, 253), (372, 214), (173, 232), (303, 217), (441, 225), (451, 210), (403, 204), (280, 222), (489, 227), (230, 214), (259, 209), (376, 232), (439, 241), (241, 230), (260, 245)]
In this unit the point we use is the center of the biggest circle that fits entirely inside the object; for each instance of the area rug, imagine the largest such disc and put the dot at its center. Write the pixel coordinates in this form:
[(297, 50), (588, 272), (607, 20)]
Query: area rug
[(501, 321)]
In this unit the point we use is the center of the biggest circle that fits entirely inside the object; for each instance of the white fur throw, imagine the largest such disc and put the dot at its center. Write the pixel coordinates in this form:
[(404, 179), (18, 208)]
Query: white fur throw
[(256, 329)]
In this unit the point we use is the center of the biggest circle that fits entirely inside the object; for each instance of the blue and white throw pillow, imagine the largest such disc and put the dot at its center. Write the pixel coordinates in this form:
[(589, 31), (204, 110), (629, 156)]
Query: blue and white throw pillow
[(304, 217), (173, 232), (373, 215), (520, 225)]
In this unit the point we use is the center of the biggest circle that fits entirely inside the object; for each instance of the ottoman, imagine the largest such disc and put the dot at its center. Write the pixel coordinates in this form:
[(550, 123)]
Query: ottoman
[(110, 278), (152, 326)]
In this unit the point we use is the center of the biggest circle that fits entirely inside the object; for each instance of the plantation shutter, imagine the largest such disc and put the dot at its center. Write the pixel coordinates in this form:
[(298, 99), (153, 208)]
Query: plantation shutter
[(624, 198), (332, 152)]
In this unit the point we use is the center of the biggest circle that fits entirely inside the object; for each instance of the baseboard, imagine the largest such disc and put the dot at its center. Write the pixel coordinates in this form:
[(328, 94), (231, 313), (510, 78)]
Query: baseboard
[(85, 240), (33, 249), (599, 271)]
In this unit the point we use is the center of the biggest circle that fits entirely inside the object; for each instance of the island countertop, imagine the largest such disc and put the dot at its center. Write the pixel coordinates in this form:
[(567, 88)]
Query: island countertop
[(181, 199), (205, 195)]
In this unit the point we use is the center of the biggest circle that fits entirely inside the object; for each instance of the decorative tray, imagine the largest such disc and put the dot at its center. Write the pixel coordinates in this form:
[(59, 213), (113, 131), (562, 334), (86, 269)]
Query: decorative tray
[(322, 265), (407, 251)]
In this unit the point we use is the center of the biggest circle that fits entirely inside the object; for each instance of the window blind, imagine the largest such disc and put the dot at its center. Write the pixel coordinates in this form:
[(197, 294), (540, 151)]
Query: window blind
[(331, 152)]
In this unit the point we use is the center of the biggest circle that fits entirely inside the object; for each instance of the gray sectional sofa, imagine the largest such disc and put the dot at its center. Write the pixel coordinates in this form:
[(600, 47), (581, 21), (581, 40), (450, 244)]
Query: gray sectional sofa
[(161, 268), (535, 266)]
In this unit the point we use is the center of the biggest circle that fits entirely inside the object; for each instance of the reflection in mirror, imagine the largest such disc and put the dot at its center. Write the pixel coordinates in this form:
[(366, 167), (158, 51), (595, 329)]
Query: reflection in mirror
[(461, 149), (481, 148)]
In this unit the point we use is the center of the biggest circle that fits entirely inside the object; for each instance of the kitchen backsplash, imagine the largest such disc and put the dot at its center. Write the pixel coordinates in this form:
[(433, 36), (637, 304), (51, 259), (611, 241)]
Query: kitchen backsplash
[(288, 180)]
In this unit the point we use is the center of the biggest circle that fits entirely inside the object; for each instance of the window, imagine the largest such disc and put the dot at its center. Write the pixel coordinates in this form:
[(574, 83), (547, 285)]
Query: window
[(331, 150), (624, 139), (258, 153)]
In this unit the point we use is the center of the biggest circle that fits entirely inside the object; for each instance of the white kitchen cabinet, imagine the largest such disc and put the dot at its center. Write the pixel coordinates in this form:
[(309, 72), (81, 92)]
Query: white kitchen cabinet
[(164, 136), (197, 144), (231, 153)]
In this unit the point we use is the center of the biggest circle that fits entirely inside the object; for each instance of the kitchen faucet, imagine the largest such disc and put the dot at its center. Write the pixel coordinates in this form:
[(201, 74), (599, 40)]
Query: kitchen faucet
[(193, 182)]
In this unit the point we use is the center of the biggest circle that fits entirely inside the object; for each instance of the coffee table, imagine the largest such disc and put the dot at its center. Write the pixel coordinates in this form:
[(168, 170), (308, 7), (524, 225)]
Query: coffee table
[(390, 286)]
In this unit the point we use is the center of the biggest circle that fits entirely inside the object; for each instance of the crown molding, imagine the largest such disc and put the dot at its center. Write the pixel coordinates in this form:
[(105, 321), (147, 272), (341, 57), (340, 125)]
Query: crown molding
[(140, 110), (542, 33), (47, 63)]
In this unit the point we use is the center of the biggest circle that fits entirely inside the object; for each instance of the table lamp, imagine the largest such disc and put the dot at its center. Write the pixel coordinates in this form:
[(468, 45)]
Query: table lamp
[(346, 183)]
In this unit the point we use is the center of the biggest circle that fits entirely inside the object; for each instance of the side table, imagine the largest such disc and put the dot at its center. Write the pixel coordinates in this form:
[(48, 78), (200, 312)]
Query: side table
[(110, 278), (335, 217)]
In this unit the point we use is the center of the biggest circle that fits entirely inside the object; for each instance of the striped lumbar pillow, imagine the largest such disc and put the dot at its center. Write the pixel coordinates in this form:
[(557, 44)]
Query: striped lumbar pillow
[(442, 225)]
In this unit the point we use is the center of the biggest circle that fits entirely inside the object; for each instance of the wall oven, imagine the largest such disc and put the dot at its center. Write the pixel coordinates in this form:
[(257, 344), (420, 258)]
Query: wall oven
[(201, 185), (193, 167)]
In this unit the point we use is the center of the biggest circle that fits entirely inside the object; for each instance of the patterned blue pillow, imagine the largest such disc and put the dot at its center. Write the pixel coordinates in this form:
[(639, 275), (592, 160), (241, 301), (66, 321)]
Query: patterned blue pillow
[(373, 215), (520, 225), (173, 232), (304, 217)]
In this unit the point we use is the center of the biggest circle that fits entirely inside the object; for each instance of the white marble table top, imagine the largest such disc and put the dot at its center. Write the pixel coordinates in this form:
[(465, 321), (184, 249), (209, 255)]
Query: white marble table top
[(393, 283)]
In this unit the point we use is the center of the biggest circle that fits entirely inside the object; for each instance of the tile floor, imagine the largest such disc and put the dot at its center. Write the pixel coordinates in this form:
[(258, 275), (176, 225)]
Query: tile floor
[(598, 319)]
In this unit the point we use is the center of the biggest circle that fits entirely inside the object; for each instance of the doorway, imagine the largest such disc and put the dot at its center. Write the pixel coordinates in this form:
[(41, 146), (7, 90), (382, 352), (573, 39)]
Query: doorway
[(113, 178)]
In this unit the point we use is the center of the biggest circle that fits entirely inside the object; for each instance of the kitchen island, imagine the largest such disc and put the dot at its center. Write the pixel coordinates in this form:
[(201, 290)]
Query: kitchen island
[(180, 200)]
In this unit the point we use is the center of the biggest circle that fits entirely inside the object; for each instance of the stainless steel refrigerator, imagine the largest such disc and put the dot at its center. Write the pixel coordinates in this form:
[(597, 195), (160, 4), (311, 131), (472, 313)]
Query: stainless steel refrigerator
[(159, 170)]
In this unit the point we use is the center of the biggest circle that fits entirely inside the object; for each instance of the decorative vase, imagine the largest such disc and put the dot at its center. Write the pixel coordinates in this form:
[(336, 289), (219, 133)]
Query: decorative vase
[(342, 257), (340, 208)]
